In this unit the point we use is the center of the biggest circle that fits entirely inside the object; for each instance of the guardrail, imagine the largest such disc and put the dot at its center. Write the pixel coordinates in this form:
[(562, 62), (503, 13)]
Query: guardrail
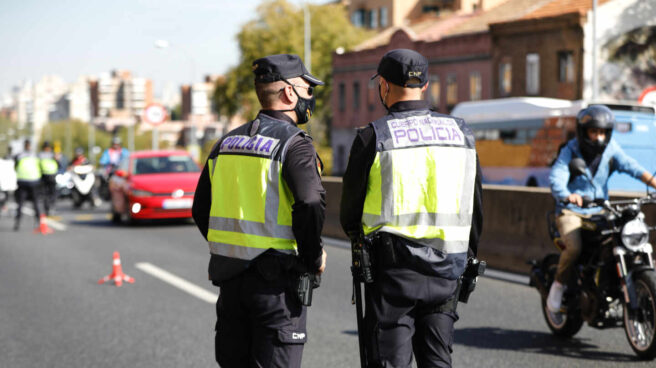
[(514, 223)]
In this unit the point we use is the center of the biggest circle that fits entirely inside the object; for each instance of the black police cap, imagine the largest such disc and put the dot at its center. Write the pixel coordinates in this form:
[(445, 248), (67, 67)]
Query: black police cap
[(400, 65), (273, 68)]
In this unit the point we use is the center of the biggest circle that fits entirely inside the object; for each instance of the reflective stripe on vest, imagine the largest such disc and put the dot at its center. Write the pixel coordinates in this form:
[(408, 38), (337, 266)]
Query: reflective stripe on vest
[(422, 187), (28, 169), (251, 203)]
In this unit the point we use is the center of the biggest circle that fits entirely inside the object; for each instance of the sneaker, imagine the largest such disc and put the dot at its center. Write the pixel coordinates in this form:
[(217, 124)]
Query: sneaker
[(555, 296)]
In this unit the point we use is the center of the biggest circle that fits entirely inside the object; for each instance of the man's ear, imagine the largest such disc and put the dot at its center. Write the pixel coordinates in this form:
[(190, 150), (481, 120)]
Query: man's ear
[(289, 97), (425, 87)]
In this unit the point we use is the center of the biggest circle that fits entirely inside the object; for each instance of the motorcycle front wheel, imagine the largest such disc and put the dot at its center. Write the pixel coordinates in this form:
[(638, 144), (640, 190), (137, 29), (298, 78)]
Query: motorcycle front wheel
[(561, 324), (640, 326)]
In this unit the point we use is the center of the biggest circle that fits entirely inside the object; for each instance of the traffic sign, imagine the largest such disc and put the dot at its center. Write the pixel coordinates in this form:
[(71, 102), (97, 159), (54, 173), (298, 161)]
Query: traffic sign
[(648, 96), (154, 114)]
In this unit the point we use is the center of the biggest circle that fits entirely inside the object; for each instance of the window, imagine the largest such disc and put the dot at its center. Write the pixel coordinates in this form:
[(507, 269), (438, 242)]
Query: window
[(434, 91), (451, 91), (342, 97), (505, 78), (475, 88), (373, 19), (357, 18), (356, 96), (532, 74), (565, 66), (383, 17), (372, 92)]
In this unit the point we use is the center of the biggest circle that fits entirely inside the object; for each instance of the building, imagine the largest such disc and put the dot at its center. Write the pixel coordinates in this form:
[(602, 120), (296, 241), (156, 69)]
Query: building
[(121, 94), (458, 47), (196, 99), (383, 14)]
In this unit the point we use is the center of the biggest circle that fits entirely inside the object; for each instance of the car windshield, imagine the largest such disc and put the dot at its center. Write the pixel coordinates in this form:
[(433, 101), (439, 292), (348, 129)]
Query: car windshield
[(164, 164)]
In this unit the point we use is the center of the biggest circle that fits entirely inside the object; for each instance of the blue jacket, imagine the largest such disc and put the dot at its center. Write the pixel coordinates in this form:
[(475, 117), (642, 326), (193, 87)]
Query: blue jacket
[(562, 187), (104, 159)]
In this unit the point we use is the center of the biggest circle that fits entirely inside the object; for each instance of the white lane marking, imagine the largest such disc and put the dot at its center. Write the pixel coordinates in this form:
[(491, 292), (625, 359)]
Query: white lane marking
[(30, 212), (55, 224), (178, 282)]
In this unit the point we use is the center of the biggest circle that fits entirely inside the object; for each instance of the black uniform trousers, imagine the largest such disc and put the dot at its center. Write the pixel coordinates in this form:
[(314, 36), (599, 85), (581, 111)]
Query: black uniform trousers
[(28, 190), (403, 315), (260, 321), (49, 185)]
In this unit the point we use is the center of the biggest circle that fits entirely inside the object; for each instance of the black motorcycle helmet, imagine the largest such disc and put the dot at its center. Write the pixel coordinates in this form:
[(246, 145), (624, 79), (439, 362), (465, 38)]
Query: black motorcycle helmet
[(594, 116)]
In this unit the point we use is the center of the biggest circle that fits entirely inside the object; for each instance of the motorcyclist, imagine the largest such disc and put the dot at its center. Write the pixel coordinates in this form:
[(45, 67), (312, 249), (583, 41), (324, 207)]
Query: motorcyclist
[(603, 156), (114, 154), (79, 158)]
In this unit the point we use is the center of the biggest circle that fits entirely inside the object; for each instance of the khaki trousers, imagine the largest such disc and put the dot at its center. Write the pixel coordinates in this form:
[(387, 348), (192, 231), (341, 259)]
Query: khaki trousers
[(569, 226)]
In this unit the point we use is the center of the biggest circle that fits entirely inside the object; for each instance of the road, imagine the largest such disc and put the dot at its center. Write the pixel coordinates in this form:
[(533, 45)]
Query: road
[(53, 313)]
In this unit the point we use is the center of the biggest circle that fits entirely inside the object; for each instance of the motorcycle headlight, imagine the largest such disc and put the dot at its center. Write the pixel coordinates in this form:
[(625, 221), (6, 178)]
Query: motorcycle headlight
[(634, 234)]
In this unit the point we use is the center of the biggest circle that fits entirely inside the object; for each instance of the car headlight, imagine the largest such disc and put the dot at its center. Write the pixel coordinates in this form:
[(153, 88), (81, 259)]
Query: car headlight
[(140, 193), (634, 234)]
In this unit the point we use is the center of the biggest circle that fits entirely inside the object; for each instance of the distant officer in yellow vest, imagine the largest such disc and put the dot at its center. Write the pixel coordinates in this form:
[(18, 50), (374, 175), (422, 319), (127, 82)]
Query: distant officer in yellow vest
[(260, 205), (28, 178), (412, 186), (49, 169)]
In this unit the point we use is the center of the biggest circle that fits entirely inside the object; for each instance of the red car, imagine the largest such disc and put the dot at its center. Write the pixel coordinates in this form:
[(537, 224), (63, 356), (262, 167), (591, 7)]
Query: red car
[(153, 185)]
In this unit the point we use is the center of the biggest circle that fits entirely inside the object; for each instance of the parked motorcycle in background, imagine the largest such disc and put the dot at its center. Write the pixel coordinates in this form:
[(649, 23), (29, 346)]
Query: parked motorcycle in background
[(614, 282), (83, 179)]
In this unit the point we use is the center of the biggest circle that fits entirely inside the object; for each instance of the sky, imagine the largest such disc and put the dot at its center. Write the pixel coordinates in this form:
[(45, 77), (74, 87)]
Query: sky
[(87, 37)]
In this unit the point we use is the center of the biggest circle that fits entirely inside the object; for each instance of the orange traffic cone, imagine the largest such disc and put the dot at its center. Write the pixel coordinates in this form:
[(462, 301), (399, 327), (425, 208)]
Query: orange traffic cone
[(117, 273), (43, 226)]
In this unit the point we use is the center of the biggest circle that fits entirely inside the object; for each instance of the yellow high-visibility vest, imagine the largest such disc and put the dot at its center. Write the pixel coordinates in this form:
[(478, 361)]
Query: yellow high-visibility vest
[(421, 184), (251, 208), (28, 168), (48, 163)]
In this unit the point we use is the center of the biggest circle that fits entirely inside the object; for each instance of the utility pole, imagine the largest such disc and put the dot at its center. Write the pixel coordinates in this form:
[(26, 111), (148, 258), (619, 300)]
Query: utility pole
[(595, 79)]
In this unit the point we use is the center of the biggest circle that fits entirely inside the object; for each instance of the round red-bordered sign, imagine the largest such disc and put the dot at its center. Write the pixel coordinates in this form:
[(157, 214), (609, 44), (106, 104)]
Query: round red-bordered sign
[(648, 96), (154, 114)]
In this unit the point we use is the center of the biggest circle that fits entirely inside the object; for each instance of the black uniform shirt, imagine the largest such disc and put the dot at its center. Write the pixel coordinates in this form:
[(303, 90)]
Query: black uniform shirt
[(301, 174), (354, 190)]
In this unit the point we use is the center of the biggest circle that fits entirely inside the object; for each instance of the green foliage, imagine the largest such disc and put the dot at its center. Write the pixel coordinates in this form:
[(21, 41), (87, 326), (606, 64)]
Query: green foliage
[(68, 135), (278, 29)]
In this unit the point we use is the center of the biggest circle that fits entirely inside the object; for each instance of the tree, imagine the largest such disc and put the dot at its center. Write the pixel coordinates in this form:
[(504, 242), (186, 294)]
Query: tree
[(278, 29)]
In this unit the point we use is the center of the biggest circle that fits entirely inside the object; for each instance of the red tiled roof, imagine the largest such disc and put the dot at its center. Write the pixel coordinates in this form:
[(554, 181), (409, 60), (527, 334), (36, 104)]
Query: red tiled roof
[(433, 29), (559, 7)]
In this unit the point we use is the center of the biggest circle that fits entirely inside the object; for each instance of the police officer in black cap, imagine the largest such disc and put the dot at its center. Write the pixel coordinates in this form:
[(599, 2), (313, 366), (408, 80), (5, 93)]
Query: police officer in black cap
[(260, 204), (412, 195)]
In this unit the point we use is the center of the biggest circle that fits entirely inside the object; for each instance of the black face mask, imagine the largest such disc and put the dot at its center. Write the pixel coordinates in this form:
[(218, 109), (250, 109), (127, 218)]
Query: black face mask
[(304, 108)]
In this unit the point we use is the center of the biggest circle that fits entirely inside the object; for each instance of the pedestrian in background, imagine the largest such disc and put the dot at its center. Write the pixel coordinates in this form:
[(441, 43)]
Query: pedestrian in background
[(413, 186), (28, 178), (49, 168), (260, 204)]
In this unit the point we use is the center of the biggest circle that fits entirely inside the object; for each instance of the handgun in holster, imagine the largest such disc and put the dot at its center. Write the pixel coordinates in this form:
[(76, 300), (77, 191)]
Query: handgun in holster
[(307, 282), (467, 282), (361, 265)]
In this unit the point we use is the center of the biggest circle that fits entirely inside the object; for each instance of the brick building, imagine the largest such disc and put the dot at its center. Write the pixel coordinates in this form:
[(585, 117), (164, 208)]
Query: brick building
[(541, 54), (458, 47)]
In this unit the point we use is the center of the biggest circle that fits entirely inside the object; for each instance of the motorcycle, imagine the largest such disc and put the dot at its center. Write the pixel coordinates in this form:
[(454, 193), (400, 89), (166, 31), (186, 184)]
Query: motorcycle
[(614, 283), (104, 175), (83, 180), (7, 181)]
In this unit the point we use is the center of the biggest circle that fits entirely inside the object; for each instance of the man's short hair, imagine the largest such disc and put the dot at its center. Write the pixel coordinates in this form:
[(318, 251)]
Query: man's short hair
[(267, 93)]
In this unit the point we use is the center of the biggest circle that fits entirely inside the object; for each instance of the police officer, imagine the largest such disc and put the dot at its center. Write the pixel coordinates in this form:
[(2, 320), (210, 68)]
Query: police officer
[(28, 178), (260, 205), (49, 169), (412, 184)]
